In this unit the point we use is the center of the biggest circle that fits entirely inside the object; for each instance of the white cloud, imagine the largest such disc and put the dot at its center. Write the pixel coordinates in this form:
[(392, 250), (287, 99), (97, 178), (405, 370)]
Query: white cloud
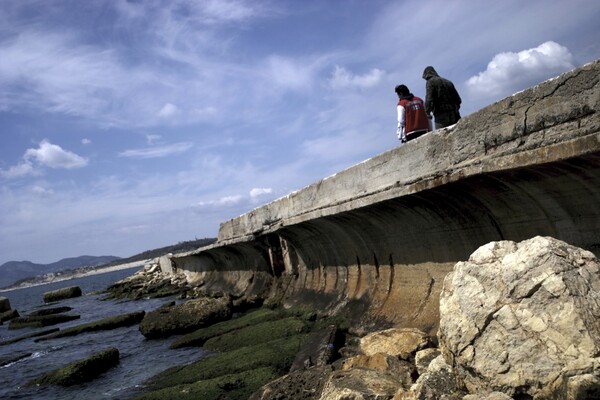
[(168, 110), (46, 155), (509, 72), (86, 141), (204, 12), (41, 191), (223, 201), (342, 78), (54, 72), (257, 192), (235, 200), (289, 73), (24, 168), (53, 156), (184, 63), (157, 152), (227, 10), (230, 200)]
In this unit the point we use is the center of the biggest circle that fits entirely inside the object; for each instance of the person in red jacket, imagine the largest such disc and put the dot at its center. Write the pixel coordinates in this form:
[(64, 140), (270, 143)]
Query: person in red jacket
[(412, 119)]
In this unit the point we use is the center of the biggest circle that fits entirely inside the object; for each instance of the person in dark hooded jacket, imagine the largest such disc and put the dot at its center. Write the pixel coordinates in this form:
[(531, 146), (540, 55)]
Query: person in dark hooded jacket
[(441, 99), (412, 120)]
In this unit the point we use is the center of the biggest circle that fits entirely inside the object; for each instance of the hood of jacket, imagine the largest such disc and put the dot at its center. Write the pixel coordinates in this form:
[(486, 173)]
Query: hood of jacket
[(429, 72)]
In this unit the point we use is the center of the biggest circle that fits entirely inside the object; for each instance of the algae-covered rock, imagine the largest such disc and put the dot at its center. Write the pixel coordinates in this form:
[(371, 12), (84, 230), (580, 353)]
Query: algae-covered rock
[(232, 386), (8, 315), (185, 317), (41, 321), (265, 339), (100, 325), (80, 371), (49, 311), (28, 336), (255, 334), (276, 354), (4, 304), (61, 294), (6, 311), (199, 336)]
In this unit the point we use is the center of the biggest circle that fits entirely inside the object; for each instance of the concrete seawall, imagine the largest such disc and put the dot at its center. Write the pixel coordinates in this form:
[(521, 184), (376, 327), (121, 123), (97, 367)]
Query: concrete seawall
[(375, 241)]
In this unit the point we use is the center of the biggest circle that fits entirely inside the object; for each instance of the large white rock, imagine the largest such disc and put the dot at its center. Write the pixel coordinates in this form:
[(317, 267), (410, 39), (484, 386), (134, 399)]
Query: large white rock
[(524, 318), (399, 342)]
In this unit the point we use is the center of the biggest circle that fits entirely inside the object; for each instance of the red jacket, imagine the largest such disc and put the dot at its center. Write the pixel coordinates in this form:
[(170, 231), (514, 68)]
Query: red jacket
[(414, 118)]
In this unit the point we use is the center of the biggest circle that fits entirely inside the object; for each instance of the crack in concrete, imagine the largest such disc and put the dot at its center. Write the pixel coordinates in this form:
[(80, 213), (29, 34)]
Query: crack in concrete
[(423, 303)]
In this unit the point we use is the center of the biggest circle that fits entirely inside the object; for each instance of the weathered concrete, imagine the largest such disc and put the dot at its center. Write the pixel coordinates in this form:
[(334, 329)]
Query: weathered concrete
[(377, 239)]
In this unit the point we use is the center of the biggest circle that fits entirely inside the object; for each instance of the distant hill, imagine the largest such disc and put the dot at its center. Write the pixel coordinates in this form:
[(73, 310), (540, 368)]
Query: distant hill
[(180, 247), (15, 271)]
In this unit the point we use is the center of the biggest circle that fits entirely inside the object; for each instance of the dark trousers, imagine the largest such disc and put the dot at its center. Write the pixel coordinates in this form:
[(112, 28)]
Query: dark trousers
[(446, 119)]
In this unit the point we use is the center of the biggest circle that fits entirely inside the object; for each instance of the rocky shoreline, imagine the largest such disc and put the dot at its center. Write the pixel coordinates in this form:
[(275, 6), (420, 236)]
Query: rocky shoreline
[(518, 321)]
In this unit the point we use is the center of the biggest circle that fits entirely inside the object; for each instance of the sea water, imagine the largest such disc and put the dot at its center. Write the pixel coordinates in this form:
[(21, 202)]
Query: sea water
[(140, 359)]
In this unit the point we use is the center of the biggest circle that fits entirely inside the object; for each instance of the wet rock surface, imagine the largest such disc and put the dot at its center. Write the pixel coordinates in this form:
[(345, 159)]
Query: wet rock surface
[(29, 335), (8, 315), (6, 311), (200, 336), (185, 317), (80, 371), (103, 324), (49, 311), (62, 294), (39, 321), (4, 304)]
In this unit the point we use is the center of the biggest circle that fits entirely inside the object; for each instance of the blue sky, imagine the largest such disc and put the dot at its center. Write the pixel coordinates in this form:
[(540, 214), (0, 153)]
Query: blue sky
[(131, 125)]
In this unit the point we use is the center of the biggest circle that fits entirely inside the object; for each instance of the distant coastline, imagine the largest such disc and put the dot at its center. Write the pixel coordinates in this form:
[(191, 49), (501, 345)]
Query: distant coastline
[(115, 265), (67, 275)]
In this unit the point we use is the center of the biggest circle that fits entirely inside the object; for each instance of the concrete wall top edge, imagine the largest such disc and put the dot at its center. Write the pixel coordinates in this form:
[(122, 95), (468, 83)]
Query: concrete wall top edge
[(554, 120)]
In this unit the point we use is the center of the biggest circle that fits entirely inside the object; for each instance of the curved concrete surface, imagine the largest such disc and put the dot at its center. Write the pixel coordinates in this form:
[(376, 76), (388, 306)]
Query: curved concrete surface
[(376, 240)]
